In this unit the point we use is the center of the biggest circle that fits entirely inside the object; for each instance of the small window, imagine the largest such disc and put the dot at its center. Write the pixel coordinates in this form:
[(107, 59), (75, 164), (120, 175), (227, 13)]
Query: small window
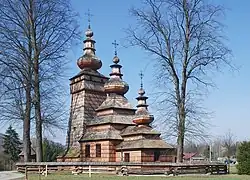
[(87, 150), (98, 150), (126, 157)]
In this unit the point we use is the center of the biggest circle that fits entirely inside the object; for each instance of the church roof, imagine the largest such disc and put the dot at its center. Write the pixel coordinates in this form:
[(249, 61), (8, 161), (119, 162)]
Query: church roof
[(74, 151), (89, 72), (144, 144), (101, 135), (133, 130), (115, 101), (114, 119)]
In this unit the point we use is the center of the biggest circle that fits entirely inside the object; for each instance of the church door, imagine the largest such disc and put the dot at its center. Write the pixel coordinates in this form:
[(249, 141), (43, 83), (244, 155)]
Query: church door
[(126, 157)]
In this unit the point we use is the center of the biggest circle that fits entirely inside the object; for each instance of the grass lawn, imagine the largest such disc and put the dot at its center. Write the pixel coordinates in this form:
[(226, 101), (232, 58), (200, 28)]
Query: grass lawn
[(114, 177)]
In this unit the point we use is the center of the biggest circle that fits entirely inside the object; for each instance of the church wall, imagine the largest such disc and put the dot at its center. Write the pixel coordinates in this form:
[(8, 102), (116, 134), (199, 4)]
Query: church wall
[(112, 150), (164, 155), (99, 127), (107, 151), (134, 156), (119, 126), (144, 136), (77, 115), (87, 94), (147, 156), (104, 113), (132, 137)]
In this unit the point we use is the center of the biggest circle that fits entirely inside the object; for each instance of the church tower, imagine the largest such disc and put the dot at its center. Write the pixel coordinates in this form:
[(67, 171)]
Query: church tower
[(86, 89)]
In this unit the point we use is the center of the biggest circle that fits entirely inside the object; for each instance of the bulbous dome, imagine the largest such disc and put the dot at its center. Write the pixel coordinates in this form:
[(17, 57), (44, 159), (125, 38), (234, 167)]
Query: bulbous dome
[(89, 33), (116, 60), (87, 61), (143, 119), (142, 115), (116, 85), (141, 92)]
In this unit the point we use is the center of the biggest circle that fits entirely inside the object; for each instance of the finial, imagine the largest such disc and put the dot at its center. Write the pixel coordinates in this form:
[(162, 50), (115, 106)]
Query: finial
[(141, 90), (141, 76), (115, 46), (89, 15)]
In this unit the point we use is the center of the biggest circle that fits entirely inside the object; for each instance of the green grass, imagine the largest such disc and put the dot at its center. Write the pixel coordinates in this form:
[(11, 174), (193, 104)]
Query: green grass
[(233, 169), (114, 177)]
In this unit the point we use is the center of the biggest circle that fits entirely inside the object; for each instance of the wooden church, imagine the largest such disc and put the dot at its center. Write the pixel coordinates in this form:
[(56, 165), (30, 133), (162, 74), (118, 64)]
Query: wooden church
[(103, 126)]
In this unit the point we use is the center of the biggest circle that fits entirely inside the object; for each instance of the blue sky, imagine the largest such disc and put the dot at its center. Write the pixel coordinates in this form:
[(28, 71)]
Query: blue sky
[(230, 100)]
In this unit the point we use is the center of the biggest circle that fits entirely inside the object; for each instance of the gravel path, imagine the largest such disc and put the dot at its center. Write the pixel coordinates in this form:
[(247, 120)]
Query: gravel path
[(9, 175)]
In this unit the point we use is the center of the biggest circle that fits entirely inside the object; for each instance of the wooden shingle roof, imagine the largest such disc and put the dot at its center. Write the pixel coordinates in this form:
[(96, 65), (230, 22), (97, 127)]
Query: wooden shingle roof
[(101, 135), (133, 130), (144, 144), (112, 119), (115, 101)]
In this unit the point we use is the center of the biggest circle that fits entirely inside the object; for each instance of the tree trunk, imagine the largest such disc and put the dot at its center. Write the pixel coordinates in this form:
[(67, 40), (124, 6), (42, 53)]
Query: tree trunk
[(180, 144), (39, 152), (180, 138), (36, 84), (26, 120), (26, 125)]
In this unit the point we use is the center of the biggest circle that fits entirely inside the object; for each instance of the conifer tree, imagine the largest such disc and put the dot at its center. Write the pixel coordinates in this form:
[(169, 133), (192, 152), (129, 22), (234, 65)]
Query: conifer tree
[(11, 144), (243, 158)]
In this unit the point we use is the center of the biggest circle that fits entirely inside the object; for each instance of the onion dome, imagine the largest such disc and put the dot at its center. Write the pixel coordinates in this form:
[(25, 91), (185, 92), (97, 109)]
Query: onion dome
[(115, 84), (89, 59), (142, 116)]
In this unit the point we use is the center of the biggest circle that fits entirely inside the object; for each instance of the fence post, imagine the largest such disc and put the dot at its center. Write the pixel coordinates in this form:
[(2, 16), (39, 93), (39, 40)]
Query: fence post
[(89, 170), (26, 173), (46, 170)]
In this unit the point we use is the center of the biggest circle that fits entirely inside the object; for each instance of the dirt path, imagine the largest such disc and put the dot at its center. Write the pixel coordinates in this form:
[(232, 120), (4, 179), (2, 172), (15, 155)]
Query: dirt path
[(9, 175)]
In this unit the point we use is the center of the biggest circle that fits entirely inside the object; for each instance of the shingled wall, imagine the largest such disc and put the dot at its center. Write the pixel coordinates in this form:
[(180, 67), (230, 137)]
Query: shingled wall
[(87, 93)]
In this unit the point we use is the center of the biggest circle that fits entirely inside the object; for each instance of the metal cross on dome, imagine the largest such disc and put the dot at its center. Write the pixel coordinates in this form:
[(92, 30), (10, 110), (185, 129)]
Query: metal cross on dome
[(115, 46), (141, 76), (89, 15)]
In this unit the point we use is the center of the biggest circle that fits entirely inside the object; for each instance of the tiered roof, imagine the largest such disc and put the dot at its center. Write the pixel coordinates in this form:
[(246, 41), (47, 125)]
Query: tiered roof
[(144, 136), (115, 88)]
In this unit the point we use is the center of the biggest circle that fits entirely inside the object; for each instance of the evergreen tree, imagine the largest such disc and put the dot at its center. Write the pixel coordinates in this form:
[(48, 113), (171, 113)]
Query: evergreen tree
[(243, 158), (11, 144)]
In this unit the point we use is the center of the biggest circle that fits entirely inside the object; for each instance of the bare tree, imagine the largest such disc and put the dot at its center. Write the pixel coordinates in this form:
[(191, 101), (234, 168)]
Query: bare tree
[(229, 144), (46, 28), (186, 39), (16, 70)]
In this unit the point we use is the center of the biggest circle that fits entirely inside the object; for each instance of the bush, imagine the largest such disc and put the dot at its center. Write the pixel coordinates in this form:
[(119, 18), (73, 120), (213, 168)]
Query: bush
[(243, 158), (51, 150)]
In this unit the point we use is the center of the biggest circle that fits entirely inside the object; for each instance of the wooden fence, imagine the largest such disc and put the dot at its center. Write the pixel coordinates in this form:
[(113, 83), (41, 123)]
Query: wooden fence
[(46, 168)]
